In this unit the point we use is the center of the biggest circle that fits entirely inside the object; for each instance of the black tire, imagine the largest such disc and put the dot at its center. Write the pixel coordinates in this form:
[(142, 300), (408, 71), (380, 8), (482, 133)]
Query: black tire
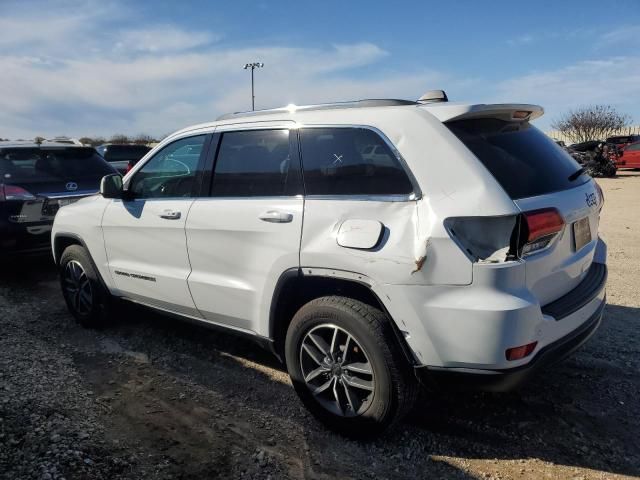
[(393, 385), (75, 258)]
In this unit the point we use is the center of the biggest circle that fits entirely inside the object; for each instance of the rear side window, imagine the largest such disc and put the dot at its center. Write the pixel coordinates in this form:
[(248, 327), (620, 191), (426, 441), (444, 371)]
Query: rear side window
[(254, 163), (51, 164), (521, 158), (350, 161)]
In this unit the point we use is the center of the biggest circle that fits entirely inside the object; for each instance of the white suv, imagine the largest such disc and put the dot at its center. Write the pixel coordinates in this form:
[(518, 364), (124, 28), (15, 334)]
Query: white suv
[(464, 251)]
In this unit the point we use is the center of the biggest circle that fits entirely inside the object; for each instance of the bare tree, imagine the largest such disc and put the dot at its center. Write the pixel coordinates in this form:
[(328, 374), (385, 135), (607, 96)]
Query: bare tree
[(143, 139), (593, 122), (93, 141), (119, 138), (39, 140)]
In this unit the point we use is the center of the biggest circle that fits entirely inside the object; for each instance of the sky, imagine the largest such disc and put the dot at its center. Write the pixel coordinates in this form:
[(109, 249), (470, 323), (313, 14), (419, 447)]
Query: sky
[(89, 67)]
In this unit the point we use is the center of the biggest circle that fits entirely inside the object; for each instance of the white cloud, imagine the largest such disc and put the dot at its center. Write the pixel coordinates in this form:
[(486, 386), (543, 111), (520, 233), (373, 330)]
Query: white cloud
[(614, 81), (628, 35), (163, 38), (524, 39), (78, 75)]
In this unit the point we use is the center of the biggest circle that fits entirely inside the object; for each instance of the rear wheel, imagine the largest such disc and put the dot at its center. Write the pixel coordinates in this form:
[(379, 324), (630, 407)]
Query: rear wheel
[(347, 368), (87, 299)]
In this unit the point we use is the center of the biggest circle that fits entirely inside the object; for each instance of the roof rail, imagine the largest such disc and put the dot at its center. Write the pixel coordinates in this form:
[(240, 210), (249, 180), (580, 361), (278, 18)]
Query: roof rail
[(383, 102)]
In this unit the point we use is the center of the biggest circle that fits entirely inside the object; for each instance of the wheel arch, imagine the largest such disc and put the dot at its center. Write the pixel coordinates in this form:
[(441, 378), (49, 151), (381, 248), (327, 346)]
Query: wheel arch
[(298, 286), (63, 240)]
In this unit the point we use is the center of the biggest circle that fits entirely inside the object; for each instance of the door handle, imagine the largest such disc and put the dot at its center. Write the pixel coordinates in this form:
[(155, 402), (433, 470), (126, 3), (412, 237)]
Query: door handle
[(170, 214), (276, 216)]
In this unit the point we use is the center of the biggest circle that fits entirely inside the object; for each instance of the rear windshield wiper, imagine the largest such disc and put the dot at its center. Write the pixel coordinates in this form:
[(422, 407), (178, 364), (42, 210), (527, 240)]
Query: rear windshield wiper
[(576, 174)]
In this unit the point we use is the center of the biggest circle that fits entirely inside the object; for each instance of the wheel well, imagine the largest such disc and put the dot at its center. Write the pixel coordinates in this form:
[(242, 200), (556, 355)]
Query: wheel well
[(294, 290), (61, 243)]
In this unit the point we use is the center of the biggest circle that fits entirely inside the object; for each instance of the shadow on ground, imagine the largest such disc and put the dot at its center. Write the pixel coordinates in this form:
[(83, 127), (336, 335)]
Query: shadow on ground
[(580, 413)]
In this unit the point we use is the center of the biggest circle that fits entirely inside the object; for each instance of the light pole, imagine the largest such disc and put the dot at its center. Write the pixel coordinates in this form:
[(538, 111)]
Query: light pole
[(253, 66)]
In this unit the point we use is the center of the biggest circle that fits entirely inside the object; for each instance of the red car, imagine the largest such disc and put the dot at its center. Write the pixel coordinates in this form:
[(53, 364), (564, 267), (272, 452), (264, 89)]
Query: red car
[(630, 156), (622, 141)]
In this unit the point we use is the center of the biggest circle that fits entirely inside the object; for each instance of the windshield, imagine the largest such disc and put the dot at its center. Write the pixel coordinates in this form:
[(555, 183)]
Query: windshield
[(114, 153), (521, 158), (51, 164)]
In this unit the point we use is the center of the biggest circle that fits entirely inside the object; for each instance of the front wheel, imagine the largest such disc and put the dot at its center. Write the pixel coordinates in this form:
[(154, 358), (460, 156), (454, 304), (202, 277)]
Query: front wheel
[(347, 367), (86, 298)]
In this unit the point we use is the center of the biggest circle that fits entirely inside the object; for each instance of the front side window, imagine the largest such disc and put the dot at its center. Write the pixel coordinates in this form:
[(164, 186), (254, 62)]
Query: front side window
[(350, 161), (171, 172), (254, 163)]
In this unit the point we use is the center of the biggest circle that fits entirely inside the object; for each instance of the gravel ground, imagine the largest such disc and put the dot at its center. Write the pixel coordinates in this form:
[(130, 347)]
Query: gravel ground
[(149, 397)]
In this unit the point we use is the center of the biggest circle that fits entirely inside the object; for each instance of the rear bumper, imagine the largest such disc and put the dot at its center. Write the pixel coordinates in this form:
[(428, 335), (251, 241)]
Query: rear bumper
[(501, 380), (25, 238)]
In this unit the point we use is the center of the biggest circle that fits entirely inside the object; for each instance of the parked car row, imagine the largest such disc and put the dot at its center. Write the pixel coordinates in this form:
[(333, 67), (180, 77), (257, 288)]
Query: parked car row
[(627, 150), (603, 159), (35, 181), (474, 272)]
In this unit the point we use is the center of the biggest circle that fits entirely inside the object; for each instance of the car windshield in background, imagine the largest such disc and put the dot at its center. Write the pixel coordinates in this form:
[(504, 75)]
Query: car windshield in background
[(115, 153), (521, 158), (46, 164), (623, 139)]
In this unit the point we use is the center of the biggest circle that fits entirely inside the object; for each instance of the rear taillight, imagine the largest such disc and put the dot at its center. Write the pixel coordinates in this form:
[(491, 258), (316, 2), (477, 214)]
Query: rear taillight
[(539, 228), (516, 353), (11, 192), (507, 238), (484, 239)]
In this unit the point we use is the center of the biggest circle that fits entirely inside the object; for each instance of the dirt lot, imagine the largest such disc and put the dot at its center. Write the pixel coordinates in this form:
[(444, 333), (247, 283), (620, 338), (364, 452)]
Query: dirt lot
[(150, 397)]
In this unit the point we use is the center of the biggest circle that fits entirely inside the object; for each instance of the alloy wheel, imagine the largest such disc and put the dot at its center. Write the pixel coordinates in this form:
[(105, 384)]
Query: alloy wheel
[(77, 287), (337, 370)]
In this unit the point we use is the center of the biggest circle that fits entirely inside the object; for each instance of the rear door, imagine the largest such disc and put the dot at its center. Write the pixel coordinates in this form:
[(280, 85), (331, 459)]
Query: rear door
[(145, 232), (360, 208), (538, 174), (247, 232)]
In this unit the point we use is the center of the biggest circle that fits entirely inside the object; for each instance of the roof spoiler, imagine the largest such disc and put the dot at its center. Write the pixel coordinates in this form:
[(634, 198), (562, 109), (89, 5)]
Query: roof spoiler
[(510, 112)]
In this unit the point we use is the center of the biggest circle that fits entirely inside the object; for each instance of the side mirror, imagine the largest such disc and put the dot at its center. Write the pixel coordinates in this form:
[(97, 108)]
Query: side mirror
[(111, 186)]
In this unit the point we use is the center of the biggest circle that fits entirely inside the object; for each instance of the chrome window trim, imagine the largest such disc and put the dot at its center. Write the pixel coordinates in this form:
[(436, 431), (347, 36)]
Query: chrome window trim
[(362, 198), (415, 195), (255, 197), (54, 196)]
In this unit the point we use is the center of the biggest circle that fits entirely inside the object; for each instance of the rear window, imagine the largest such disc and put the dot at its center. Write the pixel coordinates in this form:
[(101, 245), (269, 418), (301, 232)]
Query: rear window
[(41, 164), (350, 161), (521, 158)]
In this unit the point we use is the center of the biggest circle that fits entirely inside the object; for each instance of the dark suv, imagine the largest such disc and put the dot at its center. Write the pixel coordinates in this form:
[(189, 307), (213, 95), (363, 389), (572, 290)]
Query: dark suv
[(122, 157), (35, 181)]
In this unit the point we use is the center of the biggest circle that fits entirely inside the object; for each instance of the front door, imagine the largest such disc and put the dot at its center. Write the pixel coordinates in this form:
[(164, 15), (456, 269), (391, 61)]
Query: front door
[(247, 232), (145, 232)]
